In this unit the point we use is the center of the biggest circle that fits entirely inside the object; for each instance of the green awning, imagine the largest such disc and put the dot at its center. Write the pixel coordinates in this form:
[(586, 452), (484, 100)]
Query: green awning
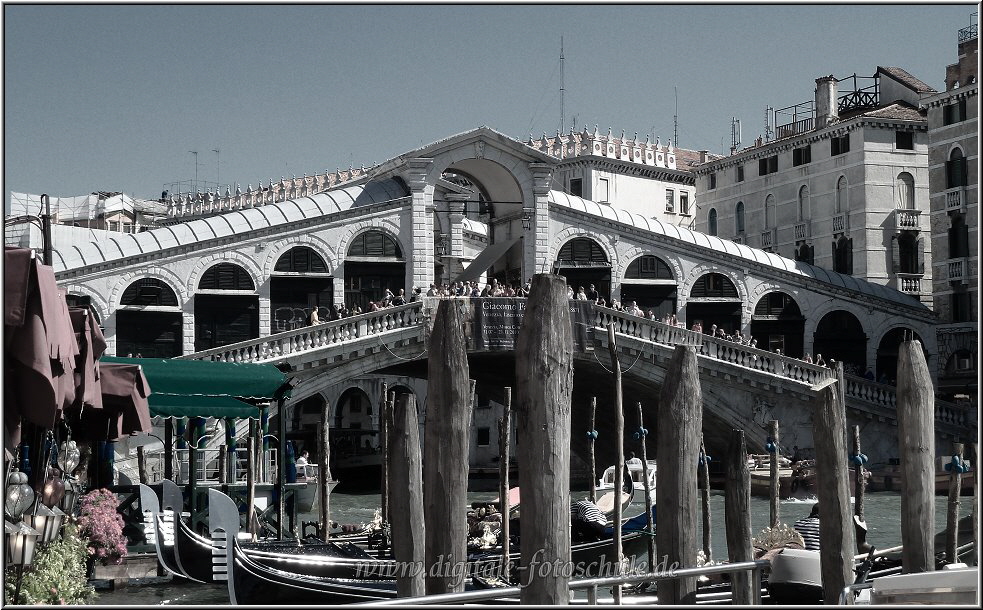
[(174, 405), (206, 378)]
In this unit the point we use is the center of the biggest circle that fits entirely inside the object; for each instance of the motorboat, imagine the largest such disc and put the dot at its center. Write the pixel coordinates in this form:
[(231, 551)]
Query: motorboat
[(637, 471), (307, 496)]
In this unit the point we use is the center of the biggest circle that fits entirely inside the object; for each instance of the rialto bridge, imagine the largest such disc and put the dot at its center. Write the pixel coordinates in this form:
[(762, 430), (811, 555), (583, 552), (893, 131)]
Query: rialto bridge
[(235, 276)]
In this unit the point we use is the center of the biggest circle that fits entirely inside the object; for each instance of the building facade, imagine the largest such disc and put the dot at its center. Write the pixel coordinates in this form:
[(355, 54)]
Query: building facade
[(843, 185), (953, 165)]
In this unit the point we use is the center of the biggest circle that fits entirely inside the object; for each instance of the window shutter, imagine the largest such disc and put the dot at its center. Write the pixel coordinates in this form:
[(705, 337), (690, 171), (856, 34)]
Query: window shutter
[(812, 255), (920, 253), (849, 257), (895, 254)]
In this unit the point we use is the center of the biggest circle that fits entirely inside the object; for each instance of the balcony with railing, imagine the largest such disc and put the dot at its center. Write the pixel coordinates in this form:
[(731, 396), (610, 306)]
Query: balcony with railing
[(908, 220), (841, 222), (959, 270), (768, 238), (955, 199), (910, 283), (803, 230)]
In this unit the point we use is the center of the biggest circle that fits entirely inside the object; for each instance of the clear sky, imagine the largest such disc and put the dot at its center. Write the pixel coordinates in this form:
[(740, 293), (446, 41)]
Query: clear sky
[(113, 97)]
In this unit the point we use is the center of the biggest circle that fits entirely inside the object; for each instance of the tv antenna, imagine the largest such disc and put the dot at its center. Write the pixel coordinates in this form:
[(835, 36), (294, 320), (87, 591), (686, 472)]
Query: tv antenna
[(194, 186), (735, 134), (561, 84), (217, 166), (675, 117)]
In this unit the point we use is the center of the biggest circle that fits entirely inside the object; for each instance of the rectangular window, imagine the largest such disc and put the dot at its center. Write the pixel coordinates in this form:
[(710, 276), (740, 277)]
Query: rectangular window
[(484, 437), (684, 203), (670, 201), (768, 165), (956, 173), (801, 156), (577, 187), (712, 182), (740, 173), (602, 190), (960, 306), (839, 145), (905, 140), (954, 113)]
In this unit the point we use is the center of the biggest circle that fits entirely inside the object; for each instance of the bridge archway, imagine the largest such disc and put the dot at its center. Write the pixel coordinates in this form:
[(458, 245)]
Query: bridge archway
[(714, 299), (778, 324), (840, 336), (650, 283), (155, 333), (374, 263), (886, 366), (225, 312), (301, 282), (583, 261)]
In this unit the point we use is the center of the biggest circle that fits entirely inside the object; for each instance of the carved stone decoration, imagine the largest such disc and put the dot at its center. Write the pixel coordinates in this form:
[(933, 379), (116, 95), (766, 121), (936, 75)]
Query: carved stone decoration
[(479, 149)]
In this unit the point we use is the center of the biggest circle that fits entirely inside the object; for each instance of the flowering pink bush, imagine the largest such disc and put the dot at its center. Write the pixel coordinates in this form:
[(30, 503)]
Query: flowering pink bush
[(103, 526)]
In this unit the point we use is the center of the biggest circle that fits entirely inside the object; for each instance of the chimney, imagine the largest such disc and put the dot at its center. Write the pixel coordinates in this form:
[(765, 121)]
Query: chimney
[(704, 156), (826, 101)]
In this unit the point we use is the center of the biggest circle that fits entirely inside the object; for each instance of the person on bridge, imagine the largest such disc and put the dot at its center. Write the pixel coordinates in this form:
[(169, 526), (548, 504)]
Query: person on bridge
[(314, 317)]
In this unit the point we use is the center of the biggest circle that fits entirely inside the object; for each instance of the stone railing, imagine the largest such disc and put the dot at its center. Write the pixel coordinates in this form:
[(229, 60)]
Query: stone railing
[(841, 222), (910, 283), (957, 270), (955, 199), (908, 220), (318, 336), (883, 398), (767, 238), (803, 230)]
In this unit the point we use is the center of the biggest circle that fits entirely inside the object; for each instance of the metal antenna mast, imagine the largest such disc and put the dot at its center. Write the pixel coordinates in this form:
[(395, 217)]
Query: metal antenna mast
[(218, 166), (675, 121), (561, 85), (194, 187)]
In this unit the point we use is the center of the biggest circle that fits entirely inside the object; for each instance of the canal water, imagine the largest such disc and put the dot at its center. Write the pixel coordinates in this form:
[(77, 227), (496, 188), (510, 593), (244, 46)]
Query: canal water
[(882, 509)]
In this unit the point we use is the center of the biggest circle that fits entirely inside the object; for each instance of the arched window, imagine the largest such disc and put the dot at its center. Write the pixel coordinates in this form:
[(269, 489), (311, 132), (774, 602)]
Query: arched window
[(301, 259), (843, 256), (648, 268), (804, 212), (805, 254), (712, 222), (958, 237), (907, 254), (148, 291), (739, 218), (906, 191), (769, 211), (226, 276), (582, 251), (714, 285), (374, 243), (842, 196), (956, 169)]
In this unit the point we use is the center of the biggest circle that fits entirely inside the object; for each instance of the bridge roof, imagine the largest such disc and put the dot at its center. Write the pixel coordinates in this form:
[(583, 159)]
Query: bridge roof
[(227, 224), (717, 244)]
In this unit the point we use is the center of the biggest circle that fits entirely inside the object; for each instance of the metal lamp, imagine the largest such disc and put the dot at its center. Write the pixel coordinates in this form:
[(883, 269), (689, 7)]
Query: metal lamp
[(45, 521), (18, 496), (68, 456), (527, 216), (21, 542), (72, 489)]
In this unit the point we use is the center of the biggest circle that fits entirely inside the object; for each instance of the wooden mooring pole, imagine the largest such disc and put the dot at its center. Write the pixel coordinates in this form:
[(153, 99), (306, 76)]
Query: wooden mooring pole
[(916, 444), (445, 480), (704, 474), (504, 426), (737, 514), (142, 465), (324, 471), (643, 435), (619, 443), (544, 385), (251, 480), (680, 417), (859, 489), (223, 473), (952, 512), (837, 544), (774, 483), (591, 431), (384, 446), (409, 527), (976, 505)]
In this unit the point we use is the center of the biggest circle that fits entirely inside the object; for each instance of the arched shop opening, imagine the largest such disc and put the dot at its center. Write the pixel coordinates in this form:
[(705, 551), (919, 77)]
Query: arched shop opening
[(373, 264), (79, 300), (305, 421), (650, 283), (224, 311), (300, 283), (149, 322), (582, 261), (777, 323), (714, 300), (840, 336), (886, 366), (355, 449)]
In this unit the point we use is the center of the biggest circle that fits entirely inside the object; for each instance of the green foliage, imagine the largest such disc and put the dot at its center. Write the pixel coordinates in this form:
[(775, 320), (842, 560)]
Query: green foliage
[(58, 574)]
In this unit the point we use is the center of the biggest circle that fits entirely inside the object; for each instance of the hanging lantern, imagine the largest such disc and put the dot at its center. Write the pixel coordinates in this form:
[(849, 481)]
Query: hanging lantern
[(21, 542), (19, 494), (53, 491), (72, 489), (68, 456), (42, 519), (55, 522)]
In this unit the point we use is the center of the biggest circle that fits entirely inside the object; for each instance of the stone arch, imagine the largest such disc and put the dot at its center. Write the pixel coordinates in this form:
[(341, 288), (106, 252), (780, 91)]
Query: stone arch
[(164, 274), (905, 191), (314, 242), (841, 199), (233, 256), (96, 301), (886, 356), (840, 335), (777, 323), (804, 203), (602, 277), (390, 228), (734, 319), (494, 169), (651, 289), (637, 251)]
